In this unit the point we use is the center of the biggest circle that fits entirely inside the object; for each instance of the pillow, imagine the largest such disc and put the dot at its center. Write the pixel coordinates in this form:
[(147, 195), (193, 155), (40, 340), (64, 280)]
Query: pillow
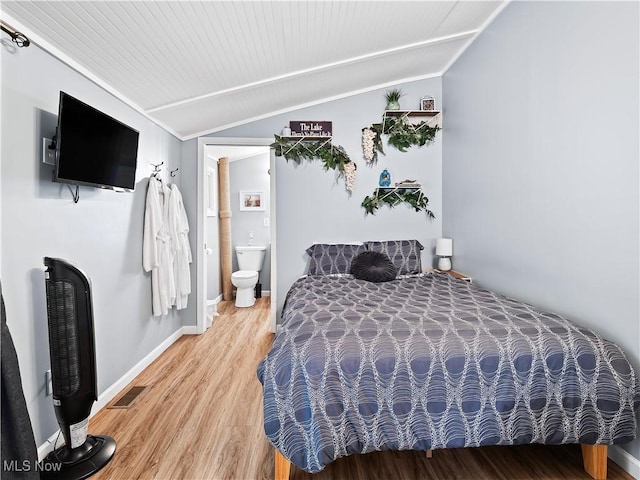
[(330, 258), (405, 254), (373, 267)]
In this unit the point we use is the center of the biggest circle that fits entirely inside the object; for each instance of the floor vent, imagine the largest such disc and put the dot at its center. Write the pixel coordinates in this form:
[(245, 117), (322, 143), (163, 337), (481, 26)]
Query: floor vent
[(127, 400)]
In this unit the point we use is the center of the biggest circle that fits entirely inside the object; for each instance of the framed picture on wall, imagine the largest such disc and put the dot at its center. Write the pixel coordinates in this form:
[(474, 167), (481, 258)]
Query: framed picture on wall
[(251, 201)]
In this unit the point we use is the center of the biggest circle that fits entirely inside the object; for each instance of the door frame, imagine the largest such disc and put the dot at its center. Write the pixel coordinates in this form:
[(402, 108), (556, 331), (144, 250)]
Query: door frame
[(201, 213)]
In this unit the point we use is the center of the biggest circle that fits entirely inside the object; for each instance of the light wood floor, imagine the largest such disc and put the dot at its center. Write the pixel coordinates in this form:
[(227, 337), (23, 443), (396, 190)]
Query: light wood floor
[(201, 418)]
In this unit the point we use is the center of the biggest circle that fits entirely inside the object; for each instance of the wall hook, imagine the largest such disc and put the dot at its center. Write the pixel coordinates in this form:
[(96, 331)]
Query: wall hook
[(156, 168)]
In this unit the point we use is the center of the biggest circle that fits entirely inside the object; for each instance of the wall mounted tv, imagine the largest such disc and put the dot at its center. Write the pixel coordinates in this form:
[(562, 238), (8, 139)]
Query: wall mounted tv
[(93, 148)]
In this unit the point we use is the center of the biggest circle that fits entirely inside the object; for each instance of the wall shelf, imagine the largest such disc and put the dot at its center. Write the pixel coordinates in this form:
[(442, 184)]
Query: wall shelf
[(306, 137), (393, 196), (412, 113), (311, 147), (417, 118), (295, 141)]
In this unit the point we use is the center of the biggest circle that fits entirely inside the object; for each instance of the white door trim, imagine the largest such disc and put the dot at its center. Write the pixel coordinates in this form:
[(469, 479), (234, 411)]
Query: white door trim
[(201, 214)]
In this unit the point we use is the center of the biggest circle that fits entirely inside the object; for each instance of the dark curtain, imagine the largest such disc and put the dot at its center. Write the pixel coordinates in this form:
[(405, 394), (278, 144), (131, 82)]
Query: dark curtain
[(19, 453)]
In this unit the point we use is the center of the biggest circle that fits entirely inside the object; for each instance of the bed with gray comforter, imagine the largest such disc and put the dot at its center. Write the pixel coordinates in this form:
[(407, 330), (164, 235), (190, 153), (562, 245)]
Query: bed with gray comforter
[(428, 361)]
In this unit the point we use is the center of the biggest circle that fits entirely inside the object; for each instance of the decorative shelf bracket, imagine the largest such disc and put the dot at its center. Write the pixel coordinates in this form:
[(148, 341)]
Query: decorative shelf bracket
[(304, 143), (405, 116), (333, 157), (394, 196), (402, 130)]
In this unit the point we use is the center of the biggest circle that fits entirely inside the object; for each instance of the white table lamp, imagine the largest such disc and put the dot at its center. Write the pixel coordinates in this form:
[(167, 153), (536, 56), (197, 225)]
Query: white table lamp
[(444, 250)]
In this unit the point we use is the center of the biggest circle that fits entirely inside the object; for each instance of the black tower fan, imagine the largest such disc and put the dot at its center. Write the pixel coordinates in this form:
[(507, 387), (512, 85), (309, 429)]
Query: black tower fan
[(73, 371)]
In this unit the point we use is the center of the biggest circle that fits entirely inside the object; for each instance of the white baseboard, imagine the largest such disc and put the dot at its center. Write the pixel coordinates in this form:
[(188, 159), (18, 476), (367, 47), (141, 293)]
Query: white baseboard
[(625, 460), (215, 301), (110, 393), (47, 446), (190, 330)]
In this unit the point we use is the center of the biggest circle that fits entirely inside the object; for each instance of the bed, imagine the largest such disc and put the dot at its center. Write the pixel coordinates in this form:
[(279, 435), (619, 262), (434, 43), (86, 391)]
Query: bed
[(427, 361)]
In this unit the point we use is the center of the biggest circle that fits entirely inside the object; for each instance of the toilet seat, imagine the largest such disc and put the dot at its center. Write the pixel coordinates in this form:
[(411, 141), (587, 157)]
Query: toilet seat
[(244, 274)]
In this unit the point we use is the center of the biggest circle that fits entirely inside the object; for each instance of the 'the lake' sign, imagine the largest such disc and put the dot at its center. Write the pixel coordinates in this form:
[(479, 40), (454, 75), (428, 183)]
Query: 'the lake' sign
[(311, 128)]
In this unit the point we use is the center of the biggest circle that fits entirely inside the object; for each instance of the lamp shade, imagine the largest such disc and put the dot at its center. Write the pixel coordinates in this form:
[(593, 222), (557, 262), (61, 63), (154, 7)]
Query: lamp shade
[(444, 247)]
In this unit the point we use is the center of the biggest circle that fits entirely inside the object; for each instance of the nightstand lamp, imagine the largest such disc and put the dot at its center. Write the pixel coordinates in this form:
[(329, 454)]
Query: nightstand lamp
[(444, 250)]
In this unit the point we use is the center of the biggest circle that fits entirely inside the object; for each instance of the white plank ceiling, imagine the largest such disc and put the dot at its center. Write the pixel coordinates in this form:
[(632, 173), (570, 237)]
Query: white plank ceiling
[(200, 67)]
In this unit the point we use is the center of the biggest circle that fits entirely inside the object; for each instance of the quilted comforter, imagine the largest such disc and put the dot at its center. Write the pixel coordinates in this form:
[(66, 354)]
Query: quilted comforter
[(428, 361)]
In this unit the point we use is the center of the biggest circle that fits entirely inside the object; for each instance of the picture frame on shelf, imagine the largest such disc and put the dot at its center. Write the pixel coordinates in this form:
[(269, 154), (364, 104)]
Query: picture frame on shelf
[(427, 103), (251, 201)]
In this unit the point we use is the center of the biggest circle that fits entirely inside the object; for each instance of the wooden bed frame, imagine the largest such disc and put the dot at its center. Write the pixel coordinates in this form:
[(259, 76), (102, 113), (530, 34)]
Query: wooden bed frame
[(594, 459)]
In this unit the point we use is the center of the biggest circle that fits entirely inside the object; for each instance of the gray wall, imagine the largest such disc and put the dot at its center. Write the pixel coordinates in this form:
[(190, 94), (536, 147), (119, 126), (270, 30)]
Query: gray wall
[(250, 174), (102, 234), (313, 207), (540, 171), (189, 174)]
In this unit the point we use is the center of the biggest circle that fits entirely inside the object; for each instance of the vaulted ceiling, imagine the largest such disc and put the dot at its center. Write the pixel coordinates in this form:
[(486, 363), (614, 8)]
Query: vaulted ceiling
[(200, 67)]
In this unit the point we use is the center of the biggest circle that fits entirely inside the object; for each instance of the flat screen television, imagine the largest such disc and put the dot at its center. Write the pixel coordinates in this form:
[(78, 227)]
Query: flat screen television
[(93, 148)]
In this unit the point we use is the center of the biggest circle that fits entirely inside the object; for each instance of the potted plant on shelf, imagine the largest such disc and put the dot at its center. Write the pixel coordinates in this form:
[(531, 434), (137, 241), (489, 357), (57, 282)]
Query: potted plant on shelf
[(393, 98)]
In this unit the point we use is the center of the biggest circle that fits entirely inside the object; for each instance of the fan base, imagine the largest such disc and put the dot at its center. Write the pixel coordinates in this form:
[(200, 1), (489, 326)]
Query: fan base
[(56, 467)]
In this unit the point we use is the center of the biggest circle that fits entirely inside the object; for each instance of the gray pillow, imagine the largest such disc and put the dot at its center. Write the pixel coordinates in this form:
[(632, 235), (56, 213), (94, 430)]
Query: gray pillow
[(330, 258), (373, 267), (405, 254)]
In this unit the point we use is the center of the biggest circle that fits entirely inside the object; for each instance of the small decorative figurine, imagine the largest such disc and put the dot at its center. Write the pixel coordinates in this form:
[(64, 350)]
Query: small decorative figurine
[(385, 178)]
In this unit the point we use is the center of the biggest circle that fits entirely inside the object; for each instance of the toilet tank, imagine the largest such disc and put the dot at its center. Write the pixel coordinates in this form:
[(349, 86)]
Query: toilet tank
[(250, 257)]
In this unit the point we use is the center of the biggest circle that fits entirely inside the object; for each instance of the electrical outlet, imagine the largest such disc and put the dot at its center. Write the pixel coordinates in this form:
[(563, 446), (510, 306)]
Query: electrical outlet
[(48, 154), (49, 384)]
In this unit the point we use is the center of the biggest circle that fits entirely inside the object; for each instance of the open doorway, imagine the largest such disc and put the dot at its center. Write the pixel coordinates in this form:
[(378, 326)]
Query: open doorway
[(210, 149)]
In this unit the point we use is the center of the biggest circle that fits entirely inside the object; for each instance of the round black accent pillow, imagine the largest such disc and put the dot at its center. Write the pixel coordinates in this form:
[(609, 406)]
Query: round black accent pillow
[(373, 267)]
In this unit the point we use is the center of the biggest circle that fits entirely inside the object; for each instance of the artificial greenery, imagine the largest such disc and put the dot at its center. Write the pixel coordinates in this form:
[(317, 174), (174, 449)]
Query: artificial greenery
[(333, 157), (393, 95), (402, 134), (395, 196)]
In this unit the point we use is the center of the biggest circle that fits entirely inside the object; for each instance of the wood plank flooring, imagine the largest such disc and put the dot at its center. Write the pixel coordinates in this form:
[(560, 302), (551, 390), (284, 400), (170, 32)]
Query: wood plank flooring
[(201, 418)]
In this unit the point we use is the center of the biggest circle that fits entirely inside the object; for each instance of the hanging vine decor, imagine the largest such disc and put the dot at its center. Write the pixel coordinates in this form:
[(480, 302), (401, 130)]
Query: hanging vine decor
[(395, 196), (333, 157), (403, 134), (372, 143)]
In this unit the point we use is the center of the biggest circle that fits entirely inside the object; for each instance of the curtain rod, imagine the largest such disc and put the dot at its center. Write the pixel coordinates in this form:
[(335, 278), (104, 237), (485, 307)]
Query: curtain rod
[(18, 38)]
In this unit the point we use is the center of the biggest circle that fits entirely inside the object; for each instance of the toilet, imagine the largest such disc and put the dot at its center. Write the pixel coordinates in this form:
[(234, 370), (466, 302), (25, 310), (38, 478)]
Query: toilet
[(250, 259)]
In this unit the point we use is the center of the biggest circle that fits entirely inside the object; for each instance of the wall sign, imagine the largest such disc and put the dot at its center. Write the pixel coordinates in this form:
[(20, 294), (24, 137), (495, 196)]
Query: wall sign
[(310, 128)]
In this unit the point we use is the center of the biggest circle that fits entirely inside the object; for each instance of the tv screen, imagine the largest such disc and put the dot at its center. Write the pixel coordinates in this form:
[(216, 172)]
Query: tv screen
[(93, 148)]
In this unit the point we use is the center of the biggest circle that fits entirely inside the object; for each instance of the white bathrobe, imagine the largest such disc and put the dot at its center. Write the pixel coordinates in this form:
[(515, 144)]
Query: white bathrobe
[(157, 251), (179, 227)]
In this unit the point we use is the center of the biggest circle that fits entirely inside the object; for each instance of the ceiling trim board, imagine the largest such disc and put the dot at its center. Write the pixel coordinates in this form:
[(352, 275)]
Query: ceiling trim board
[(55, 52), (482, 28), (327, 66), (256, 118), (226, 149)]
